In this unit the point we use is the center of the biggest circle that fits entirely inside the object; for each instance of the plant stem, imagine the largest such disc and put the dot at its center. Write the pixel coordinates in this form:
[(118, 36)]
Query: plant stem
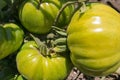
[(62, 9), (60, 31), (41, 46), (39, 3)]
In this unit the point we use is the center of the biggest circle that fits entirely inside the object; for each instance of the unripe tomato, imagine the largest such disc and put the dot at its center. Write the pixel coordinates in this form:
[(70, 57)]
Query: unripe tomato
[(11, 38), (39, 17), (34, 66), (94, 40)]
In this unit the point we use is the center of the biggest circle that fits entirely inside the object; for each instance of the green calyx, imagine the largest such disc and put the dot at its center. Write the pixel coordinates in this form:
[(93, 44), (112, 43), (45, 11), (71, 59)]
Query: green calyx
[(55, 43)]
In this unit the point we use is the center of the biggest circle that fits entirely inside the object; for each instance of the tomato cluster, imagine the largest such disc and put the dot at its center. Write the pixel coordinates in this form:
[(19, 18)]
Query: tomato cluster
[(49, 37)]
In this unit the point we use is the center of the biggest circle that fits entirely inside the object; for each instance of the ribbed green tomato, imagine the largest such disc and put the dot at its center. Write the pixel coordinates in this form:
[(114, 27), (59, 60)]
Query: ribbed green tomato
[(94, 40), (11, 38), (34, 66), (38, 18)]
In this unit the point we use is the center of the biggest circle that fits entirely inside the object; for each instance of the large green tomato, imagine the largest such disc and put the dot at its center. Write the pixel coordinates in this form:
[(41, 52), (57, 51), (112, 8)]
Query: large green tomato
[(94, 40), (38, 18), (34, 66), (11, 38)]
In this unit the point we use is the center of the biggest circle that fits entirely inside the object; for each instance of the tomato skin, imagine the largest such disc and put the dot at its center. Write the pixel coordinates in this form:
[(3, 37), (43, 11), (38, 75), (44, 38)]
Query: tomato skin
[(39, 20), (34, 66), (94, 40), (11, 38)]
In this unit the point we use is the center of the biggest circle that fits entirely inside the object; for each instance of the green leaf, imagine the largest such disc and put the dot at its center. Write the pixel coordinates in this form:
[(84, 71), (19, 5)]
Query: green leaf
[(2, 4), (20, 78)]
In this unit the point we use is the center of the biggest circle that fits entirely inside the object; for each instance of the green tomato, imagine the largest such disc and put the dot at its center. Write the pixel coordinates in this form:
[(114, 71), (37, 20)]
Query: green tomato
[(38, 18), (94, 40), (34, 66), (11, 38)]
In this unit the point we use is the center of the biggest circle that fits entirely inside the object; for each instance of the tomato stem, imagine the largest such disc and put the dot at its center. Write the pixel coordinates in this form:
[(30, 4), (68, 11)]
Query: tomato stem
[(62, 9), (40, 1), (56, 28), (41, 46), (59, 42), (60, 31), (54, 45), (83, 8)]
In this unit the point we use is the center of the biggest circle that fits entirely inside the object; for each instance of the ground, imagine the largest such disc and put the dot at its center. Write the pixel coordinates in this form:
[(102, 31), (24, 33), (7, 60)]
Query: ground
[(77, 75)]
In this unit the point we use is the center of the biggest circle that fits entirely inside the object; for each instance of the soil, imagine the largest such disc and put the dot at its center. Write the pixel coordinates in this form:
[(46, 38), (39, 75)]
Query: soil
[(75, 73)]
